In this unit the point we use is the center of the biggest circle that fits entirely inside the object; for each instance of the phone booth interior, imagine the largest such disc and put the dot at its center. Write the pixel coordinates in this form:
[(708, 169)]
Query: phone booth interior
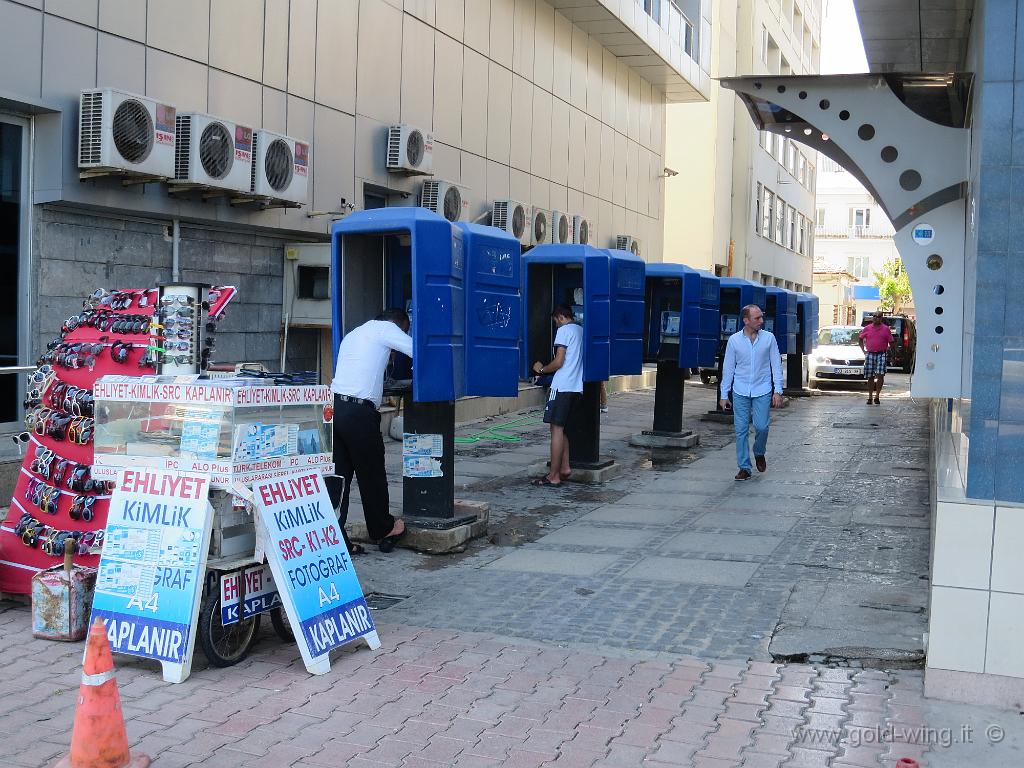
[(410, 258), (734, 294), (671, 338), (579, 277)]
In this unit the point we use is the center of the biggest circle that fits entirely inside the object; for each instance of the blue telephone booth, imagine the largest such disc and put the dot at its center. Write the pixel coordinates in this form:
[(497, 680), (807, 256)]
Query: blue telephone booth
[(780, 317), (493, 260), (578, 276), (680, 333), (413, 259), (734, 294), (627, 313), (806, 341)]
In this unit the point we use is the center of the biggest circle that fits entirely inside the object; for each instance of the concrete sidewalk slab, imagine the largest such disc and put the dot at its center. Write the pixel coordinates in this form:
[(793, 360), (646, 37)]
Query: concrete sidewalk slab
[(746, 521), (684, 570), (721, 543), (544, 561)]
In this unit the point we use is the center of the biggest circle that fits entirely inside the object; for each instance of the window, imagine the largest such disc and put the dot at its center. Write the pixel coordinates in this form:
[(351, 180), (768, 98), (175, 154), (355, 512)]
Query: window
[(720, 270), (858, 266), (757, 209), (789, 285), (810, 176), (805, 226), (859, 220), (780, 147), (790, 228), (791, 154), (779, 282), (801, 168), (768, 215), (755, 276), (819, 217), (780, 221), (766, 280), (764, 43)]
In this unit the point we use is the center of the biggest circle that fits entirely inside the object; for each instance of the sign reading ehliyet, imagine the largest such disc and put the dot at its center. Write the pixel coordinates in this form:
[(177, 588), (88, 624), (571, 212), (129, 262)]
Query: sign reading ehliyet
[(150, 573), (315, 577)]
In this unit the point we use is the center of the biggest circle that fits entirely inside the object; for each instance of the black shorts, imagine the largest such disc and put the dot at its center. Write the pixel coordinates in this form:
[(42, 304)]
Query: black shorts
[(559, 408)]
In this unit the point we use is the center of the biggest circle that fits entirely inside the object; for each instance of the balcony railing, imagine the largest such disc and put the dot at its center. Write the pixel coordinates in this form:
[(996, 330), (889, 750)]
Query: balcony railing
[(855, 231)]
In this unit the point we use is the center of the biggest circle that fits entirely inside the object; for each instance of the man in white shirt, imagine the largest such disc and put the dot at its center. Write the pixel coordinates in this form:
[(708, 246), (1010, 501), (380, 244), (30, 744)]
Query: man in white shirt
[(752, 370), (358, 388), (566, 391)]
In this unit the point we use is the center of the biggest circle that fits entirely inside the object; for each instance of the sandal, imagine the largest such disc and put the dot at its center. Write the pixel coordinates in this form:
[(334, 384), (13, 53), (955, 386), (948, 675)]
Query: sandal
[(387, 544), (356, 549), (543, 481)]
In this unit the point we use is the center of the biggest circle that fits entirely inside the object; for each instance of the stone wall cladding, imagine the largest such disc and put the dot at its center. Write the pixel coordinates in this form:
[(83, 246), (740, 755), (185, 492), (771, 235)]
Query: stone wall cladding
[(75, 252)]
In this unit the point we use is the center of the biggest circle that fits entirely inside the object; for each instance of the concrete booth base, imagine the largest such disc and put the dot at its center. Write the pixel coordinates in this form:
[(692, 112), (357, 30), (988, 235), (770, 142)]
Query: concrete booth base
[(653, 438), (436, 536), (591, 473)]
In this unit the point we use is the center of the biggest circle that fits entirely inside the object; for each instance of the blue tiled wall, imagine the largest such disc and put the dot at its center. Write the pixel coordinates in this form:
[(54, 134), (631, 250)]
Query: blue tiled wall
[(995, 285)]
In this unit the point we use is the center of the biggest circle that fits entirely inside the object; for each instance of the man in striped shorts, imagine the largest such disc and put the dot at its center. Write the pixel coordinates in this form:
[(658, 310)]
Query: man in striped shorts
[(875, 341)]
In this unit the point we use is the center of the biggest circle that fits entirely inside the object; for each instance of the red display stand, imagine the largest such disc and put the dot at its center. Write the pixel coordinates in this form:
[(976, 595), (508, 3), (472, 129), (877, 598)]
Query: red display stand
[(22, 556)]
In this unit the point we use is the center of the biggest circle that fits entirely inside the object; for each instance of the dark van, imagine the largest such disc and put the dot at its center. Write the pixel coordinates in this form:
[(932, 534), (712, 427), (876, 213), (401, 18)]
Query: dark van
[(905, 331)]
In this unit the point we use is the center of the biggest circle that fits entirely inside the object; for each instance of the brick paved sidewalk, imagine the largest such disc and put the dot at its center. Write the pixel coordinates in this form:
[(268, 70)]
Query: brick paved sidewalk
[(432, 697)]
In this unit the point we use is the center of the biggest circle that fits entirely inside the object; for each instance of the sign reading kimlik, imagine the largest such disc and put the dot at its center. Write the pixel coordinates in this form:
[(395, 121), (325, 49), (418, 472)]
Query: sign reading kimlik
[(151, 570), (314, 574)]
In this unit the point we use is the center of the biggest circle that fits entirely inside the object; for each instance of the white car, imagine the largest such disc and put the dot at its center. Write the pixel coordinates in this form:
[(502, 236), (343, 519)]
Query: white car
[(838, 357)]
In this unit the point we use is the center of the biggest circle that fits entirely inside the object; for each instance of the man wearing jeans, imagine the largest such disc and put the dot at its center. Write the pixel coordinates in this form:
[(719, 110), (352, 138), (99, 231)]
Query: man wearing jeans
[(752, 370)]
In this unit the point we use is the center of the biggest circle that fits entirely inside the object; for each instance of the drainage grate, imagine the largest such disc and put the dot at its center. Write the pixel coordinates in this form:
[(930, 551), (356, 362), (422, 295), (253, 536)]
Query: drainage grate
[(855, 425), (378, 601)]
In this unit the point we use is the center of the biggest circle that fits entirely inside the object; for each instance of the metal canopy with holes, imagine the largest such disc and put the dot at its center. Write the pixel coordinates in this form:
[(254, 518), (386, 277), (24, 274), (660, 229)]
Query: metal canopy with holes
[(903, 137)]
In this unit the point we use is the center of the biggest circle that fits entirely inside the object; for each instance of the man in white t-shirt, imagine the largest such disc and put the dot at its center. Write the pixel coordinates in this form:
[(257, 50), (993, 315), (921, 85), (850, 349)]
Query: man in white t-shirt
[(358, 388), (566, 391)]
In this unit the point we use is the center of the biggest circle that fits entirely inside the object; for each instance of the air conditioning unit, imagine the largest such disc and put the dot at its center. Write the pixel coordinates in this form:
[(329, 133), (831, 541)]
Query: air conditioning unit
[(212, 152), (512, 217), (444, 198), (561, 227), (280, 168), (627, 243), (540, 229), (410, 150), (582, 231), (119, 131)]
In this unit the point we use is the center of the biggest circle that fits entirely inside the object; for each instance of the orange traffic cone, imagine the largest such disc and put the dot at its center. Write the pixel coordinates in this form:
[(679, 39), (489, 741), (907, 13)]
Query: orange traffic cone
[(99, 739)]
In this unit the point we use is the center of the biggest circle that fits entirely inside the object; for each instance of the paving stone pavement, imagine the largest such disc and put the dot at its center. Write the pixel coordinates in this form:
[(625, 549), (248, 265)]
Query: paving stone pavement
[(632, 624)]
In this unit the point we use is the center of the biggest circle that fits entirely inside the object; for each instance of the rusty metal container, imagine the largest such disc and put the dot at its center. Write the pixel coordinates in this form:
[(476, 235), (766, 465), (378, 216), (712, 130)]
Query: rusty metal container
[(62, 600)]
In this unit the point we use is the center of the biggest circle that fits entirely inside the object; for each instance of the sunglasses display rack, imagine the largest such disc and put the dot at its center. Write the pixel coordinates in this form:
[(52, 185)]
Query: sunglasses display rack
[(181, 336), (57, 498)]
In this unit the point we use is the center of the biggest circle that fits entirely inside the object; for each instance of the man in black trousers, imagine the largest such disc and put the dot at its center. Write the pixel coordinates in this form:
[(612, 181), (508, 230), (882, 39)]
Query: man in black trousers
[(358, 387)]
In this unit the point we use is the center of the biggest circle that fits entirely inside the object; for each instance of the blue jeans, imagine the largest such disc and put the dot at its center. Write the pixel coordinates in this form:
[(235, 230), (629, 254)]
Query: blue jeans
[(743, 408)]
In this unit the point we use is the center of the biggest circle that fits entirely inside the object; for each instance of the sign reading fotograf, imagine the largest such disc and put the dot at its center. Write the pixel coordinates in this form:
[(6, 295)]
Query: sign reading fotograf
[(314, 574), (151, 571)]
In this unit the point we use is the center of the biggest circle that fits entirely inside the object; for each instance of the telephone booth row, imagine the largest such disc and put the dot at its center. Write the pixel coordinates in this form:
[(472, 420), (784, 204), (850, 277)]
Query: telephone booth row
[(806, 341)]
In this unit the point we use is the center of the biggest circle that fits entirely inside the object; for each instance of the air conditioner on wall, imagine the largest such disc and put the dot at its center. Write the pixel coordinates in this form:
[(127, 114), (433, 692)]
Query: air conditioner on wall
[(582, 231), (627, 243), (410, 150), (443, 197), (561, 227), (540, 229), (212, 152), (512, 217), (280, 168), (122, 132)]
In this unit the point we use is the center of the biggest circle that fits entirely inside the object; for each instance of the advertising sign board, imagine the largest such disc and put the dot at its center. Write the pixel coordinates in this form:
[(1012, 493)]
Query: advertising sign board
[(312, 569), (151, 571)]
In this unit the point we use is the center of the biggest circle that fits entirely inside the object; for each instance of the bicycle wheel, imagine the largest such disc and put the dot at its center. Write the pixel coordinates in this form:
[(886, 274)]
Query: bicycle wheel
[(282, 625), (223, 645)]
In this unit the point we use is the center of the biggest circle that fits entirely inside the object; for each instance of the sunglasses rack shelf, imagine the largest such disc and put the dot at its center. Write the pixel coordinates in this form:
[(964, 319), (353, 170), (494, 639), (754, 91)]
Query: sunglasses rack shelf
[(56, 498)]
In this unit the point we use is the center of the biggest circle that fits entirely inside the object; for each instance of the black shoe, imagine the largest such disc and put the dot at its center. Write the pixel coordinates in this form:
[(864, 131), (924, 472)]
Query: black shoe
[(743, 474), (760, 463), (387, 544)]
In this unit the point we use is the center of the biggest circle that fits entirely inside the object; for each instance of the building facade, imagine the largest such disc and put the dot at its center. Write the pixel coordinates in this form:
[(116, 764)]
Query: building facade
[(853, 234), (559, 105), (743, 202), (834, 286)]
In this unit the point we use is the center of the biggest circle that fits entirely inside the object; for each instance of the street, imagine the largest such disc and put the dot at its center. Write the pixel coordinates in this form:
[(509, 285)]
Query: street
[(672, 616)]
